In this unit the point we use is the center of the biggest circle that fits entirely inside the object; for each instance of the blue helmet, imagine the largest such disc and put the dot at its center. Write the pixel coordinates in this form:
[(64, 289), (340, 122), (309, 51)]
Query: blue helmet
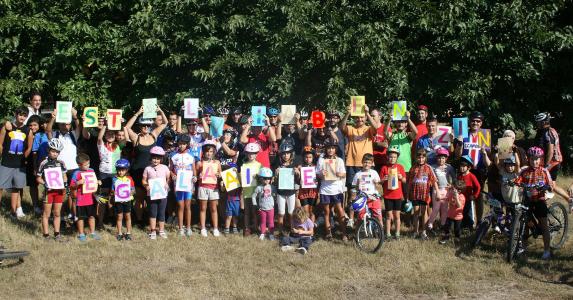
[(359, 202), (122, 164), (208, 110), (265, 173), (467, 159), (273, 112), (407, 207)]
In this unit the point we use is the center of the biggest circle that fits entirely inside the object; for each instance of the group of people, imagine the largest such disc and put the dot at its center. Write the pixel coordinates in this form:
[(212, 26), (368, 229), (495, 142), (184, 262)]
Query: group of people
[(399, 164)]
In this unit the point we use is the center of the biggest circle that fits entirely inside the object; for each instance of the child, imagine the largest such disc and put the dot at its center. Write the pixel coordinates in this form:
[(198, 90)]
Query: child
[(456, 203), (286, 198), (208, 191), (421, 179), (471, 191), (85, 206), (509, 172), (402, 137), (445, 175), (330, 169), (109, 153), (308, 197), (183, 161), (123, 189), (393, 177), (53, 197), (251, 164), (302, 232), (263, 197), (365, 181), (232, 205), (157, 206), (36, 151)]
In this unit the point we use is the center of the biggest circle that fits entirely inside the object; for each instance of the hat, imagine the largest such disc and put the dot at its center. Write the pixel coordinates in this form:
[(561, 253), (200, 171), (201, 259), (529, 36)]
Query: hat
[(422, 107)]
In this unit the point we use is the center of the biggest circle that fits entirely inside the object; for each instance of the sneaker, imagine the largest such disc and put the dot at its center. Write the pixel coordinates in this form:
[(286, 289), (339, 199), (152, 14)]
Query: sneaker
[(127, 236), (397, 236), (235, 230), (344, 238), (153, 235), (182, 232), (204, 232), (47, 238), (262, 237), (271, 237), (20, 213), (287, 248), (82, 237), (430, 226), (119, 237), (350, 223), (95, 236), (444, 240), (188, 232), (388, 236), (424, 236), (216, 232), (163, 234), (301, 250), (546, 255), (69, 217), (226, 231)]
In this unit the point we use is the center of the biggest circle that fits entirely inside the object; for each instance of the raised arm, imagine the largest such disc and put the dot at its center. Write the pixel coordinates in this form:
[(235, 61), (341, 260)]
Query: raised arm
[(387, 133), (272, 133), (101, 134), (412, 126), (29, 143), (50, 126), (132, 135), (374, 123), (308, 138), (342, 124), (76, 122), (160, 128)]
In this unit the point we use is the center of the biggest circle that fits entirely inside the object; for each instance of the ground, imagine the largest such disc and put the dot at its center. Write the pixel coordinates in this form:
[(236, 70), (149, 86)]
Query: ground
[(237, 267)]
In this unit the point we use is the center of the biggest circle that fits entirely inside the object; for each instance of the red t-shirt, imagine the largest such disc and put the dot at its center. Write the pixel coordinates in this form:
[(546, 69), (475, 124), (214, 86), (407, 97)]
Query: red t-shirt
[(81, 198), (380, 157), (533, 176), (473, 187), (263, 140), (455, 212), (422, 130), (421, 178), (392, 194)]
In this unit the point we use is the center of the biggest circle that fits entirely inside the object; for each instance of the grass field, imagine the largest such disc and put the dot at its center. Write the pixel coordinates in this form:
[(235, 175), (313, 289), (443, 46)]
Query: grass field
[(237, 267)]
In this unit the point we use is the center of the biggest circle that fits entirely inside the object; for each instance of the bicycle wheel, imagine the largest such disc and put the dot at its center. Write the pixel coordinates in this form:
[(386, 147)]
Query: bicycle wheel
[(558, 224), (369, 235), (6, 255), (481, 232), (514, 236)]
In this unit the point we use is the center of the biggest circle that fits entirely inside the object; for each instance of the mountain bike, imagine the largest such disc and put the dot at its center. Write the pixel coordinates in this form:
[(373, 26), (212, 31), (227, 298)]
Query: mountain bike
[(369, 234), (525, 224), (495, 218)]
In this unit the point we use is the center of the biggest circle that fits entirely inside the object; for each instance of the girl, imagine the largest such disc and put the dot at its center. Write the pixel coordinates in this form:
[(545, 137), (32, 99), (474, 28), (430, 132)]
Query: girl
[(456, 201), (445, 175), (37, 147), (420, 181), (123, 186), (308, 197), (156, 207), (183, 161), (250, 166), (302, 232), (331, 171), (471, 191), (109, 153), (393, 177), (286, 198), (210, 170), (263, 197)]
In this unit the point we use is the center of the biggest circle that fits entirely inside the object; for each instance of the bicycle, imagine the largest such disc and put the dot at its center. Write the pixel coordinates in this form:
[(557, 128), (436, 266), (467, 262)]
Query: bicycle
[(525, 224), (369, 234), (12, 255), (495, 218)]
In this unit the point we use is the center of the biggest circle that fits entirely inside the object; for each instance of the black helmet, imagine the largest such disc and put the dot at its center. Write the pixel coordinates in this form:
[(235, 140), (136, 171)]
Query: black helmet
[(237, 110), (286, 147), (330, 142), (184, 138), (542, 117), (476, 115)]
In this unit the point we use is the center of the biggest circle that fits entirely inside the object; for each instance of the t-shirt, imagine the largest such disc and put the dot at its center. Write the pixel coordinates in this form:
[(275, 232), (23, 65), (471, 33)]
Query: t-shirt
[(50, 163), (40, 145), (81, 198), (421, 179), (331, 187), (119, 185), (195, 145), (510, 193), (359, 143), (264, 143), (533, 176), (263, 197), (366, 181), (473, 188), (455, 212), (445, 175), (69, 153), (392, 190), (14, 147), (404, 143), (429, 144), (181, 161), (158, 171), (254, 166), (380, 157), (546, 137), (422, 130), (306, 226), (108, 156)]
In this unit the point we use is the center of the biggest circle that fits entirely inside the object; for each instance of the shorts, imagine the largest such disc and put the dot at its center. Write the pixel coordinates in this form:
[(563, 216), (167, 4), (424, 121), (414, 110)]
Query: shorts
[(392, 204), (12, 178), (122, 207), (233, 208), (419, 203), (375, 207), (206, 194), (331, 199), (308, 201), (55, 197), (539, 209), (84, 212), (106, 180), (182, 196), (288, 201), (156, 209)]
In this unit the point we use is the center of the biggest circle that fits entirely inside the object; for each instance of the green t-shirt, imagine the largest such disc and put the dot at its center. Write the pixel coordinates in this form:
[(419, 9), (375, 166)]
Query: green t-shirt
[(404, 143)]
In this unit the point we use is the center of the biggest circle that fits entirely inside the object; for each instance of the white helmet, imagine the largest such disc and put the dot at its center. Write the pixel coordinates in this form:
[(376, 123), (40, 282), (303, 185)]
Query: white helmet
[(252, 148), (55, 144)]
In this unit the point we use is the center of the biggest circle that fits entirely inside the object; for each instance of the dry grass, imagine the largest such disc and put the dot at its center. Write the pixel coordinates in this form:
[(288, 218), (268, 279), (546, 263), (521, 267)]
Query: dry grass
[(236, 267)]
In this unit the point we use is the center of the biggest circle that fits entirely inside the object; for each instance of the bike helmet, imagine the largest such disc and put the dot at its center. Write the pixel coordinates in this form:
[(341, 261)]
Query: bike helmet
[(332, 113), (230, 130), (208, 110), (223, 111), (286, 147), (542, 117), (265, 173), (55, 144), (304, 114), (308, 149), (244, 120), (476, 115), (192, 122), (394, 149), (407, 206), (535, 152), (330, 142), (237, 111), (252, 148), (443, 151), (273, 112), (360, 202), (144, 121), (510, 160), (122, 164), (183, 138), (207, 144), (156, 150), (467, 160)]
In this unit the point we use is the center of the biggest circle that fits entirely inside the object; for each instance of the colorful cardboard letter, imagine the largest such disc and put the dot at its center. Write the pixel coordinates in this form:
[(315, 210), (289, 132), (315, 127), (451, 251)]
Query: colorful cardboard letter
[(90, 182), (90, 116), (209, 173), (286, 179), (248, 175), (504, 147), (258, 115), (287, 114), (113, 117), (191, 108), (216, 127), (357, 106), (149, 108), (308, 177), (460, 127), (184, 182), (157, 188), (317, 117), (54, 178), (484, 138), (63, 112), (230, 179), (330, 167), (393, 179), (399, 109), (444, 135), (122, 192)]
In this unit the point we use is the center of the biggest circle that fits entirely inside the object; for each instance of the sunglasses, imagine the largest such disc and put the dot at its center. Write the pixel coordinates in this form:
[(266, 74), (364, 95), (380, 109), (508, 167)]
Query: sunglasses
[(476, 121)]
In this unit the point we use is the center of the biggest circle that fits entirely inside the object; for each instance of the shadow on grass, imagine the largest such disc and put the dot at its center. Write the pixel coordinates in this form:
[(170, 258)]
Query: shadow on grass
[(546, 271)]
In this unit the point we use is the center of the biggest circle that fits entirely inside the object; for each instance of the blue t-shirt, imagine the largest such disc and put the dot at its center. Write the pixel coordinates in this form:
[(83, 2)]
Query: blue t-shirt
[(40, 145)]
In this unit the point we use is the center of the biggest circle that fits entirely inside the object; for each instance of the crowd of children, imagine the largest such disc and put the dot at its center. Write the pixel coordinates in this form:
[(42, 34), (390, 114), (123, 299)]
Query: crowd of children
[(112, 173)]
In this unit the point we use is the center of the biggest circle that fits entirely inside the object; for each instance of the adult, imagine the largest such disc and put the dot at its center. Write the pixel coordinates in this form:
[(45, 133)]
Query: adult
[(142, 143), (547, 139), (332, 128), (380, 144), (34, 104), (262, 135), (172, 128), (235, 119), (293, 134), (316, 139), (429, 141)]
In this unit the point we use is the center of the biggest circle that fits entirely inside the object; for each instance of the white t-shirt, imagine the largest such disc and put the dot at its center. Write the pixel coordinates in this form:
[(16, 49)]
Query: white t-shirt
[(108, 157), (181, 161), (365, 181), (70, 152), (331, 187), (511, 194)]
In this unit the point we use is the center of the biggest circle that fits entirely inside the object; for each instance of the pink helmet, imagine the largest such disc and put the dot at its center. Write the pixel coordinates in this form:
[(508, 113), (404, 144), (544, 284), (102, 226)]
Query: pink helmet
[(535, 152), (156, 150), (443, 151), (252, 148)]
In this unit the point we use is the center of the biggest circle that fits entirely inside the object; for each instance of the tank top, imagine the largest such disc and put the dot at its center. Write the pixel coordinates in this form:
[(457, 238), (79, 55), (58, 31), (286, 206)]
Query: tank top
[(142, 155)]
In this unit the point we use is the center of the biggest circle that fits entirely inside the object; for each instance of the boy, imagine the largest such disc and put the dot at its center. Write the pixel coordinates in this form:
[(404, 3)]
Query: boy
[(85, 207), (122, 189), (393, 177), (53, 197), (365, 181)]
